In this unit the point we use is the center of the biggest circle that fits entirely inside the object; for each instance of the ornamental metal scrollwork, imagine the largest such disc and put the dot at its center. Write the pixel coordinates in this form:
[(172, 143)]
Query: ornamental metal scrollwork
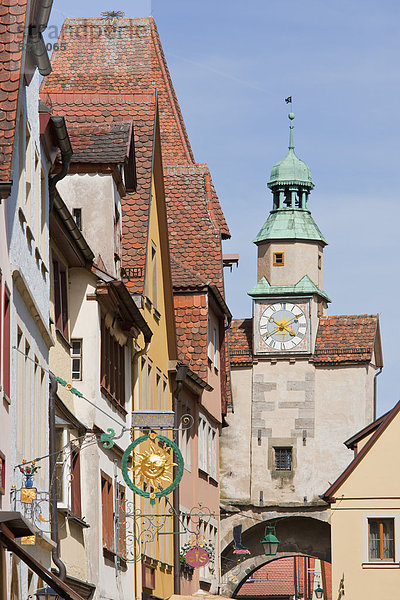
[(153, 466)]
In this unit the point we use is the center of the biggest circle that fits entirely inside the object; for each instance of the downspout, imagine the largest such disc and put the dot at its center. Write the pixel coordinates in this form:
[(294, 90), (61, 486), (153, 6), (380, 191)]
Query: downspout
[(376, 389), (66, 153), (62, 571), (181, 371)]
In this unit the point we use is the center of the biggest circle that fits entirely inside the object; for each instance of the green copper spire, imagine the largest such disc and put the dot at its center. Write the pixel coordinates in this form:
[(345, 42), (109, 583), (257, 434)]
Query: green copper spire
[(291, 170), (290, 183)]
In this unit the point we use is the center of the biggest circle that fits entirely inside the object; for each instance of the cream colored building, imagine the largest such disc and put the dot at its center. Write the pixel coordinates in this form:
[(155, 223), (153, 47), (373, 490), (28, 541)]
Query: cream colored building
[(301, 382), (365, 521)]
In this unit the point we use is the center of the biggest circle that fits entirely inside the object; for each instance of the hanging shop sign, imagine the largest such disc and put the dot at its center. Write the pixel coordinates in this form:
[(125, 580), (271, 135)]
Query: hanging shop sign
[(197, 557), (153, 419), (152, 466)]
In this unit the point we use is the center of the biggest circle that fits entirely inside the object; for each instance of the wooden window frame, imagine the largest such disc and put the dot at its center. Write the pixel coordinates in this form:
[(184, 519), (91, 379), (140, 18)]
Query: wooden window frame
[(112, 367), (60, 286), (121, 530), (381, 558), (2, 474), (274, 259)]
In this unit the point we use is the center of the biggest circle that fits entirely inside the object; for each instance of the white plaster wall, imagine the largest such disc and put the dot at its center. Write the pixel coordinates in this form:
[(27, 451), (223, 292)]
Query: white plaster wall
[(290, 397), (301, 258), (235, 441), (85, 324), (96, 195)]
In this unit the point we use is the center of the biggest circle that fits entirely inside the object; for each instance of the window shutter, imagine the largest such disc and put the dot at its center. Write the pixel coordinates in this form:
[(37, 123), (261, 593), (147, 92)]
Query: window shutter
[(64, 302), (6, 343), (76, 483)]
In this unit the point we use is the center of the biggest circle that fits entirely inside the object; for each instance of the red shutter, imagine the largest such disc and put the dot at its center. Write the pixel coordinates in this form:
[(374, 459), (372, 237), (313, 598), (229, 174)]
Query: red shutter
[(107, 511), (57, 295), (6, 340), (121, 550), (122, 374), (76, 483)]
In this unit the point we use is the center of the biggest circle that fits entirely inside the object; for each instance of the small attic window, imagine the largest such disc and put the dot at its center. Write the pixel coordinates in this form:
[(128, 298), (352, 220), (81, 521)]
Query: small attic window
[(77, 214), (278, 259)]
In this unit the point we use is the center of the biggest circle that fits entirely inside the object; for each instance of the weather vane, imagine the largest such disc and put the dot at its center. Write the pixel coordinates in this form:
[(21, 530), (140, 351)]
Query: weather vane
[(112, 14)]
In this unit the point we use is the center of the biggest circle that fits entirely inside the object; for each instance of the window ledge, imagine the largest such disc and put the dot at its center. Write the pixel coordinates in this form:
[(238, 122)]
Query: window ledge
[(113, 401), (71, 517), (111, 555), (380, 565)]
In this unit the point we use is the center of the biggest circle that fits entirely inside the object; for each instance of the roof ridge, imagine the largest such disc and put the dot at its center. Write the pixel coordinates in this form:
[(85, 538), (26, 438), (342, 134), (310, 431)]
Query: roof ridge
[(170, 89)]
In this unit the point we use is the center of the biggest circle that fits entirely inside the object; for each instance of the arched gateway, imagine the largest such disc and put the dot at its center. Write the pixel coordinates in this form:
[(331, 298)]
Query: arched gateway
[(298, 535)]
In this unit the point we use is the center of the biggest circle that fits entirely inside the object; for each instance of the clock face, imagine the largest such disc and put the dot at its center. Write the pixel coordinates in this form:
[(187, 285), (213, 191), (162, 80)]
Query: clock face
[(283, 326)]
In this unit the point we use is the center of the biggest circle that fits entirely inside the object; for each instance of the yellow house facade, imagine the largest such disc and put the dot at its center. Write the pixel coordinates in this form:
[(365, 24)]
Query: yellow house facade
[(365, 521), (154, 363)]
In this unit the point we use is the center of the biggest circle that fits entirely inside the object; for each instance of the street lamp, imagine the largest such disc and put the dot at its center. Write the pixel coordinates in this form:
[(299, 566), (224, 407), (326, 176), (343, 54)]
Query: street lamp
[(318, 592), (46, 593), (270, 541)]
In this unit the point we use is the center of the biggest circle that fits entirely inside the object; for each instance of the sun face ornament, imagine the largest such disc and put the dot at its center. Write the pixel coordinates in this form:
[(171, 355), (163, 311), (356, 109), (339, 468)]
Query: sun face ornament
[(153, 467)]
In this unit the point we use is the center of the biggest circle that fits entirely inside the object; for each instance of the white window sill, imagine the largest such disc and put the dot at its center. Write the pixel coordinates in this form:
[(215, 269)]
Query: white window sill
[(381, 565)]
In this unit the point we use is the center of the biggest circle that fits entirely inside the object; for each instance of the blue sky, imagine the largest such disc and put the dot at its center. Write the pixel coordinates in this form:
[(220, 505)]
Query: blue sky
[(232, 64)]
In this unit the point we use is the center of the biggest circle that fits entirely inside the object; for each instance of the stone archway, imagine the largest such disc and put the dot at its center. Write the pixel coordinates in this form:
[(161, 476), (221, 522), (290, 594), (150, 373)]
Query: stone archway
[(298, 536)]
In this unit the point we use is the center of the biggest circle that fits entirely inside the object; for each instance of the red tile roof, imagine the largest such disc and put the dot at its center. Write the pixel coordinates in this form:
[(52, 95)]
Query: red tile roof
[(240, 336), (345, 338), (124, 56), (194, 240), (12, 27), (191, 317), (100, 143), (276, 579), (80, 108)]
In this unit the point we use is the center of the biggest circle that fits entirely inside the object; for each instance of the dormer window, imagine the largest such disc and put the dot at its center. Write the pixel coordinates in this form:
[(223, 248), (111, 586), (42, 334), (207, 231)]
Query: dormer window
[(278, 259)]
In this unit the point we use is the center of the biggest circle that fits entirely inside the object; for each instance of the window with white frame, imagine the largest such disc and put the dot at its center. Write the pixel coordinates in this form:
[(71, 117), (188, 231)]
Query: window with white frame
[(76, 359), (159, 389), (202, 444), (212, 453), (210, 353), (381, 540), (216, 347), (165, 393)]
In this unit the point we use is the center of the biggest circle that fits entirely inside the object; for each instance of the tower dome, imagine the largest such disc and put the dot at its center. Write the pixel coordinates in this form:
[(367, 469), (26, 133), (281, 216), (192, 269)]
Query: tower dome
[(291, 170)]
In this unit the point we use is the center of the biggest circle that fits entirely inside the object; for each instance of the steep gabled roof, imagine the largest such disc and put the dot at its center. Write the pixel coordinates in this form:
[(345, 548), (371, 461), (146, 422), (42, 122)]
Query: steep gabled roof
[(12, 28), (89, 109), (121, 56), (240, 336), (124, 55), (329, 494), (347, 339)]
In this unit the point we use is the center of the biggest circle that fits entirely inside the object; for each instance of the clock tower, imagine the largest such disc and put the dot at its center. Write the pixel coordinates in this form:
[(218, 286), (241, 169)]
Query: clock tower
[(288, 298), (302, 382)]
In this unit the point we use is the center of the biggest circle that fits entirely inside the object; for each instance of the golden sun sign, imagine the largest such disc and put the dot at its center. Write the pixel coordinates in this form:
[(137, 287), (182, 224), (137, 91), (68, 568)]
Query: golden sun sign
[(153, 466)]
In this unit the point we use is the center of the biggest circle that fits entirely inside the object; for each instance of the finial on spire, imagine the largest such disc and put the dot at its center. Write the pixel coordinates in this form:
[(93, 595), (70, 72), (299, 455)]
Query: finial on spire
[(288, 100)]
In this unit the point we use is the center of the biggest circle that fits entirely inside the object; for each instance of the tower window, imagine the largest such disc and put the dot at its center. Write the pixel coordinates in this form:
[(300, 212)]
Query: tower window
[(283, 459), (278, 259), (320, 261)]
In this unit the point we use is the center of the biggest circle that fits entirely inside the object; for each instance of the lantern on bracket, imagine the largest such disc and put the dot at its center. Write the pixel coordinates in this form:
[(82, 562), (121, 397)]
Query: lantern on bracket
[(46, 593), (270, 541), (319, 592)]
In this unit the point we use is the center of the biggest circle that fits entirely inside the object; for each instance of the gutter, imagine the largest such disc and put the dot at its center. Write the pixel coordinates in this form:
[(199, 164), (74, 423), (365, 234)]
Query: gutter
[(62, 571), (66, 153), (35, 38), (376, 389), (72, 227)]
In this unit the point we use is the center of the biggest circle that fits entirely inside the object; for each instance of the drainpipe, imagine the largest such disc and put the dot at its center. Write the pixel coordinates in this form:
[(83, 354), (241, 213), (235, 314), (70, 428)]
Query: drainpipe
[(181, 371), (62, 571), (66, 153), (376, 389)]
